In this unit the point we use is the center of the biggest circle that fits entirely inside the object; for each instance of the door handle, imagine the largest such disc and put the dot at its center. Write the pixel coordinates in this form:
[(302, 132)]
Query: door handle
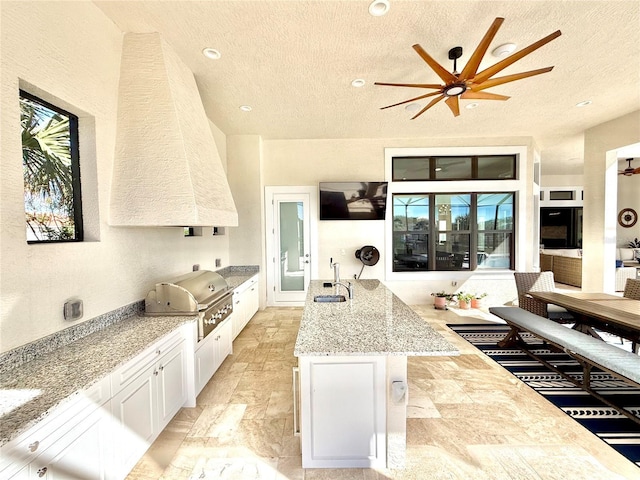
[(296, 426)]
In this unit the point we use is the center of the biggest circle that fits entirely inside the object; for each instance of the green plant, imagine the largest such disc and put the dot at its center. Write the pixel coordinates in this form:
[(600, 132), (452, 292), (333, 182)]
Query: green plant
[(443, 294), (464, 297), (635, 243), (478, 296)]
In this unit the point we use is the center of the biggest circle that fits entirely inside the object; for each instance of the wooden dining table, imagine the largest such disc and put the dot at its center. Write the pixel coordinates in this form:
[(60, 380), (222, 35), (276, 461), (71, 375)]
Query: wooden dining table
[(602, 311)]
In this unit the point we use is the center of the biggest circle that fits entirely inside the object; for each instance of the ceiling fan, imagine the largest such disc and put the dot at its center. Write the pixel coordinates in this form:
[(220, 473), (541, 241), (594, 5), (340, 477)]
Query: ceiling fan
[(468, 84), (627, 172)]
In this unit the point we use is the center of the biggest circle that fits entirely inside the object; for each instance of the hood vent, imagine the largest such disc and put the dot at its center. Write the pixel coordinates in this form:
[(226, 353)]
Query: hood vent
[(167, 169)]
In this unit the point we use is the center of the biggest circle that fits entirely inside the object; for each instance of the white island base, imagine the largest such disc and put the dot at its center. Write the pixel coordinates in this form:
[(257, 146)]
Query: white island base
[(353, 411)]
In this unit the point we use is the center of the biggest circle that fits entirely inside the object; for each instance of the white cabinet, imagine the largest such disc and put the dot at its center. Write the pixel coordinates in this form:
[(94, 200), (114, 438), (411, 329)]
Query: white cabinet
[(151, 388), (246, 302), (343, 412), (73, 441), (211, 351)]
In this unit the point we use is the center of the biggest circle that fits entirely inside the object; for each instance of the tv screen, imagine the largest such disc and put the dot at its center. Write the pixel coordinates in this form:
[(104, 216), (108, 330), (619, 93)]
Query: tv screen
[(353, 200)]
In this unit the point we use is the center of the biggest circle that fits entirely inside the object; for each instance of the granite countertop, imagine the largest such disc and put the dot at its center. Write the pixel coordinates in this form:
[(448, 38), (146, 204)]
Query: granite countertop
[(375, 322), (57, 375), (30, 390)]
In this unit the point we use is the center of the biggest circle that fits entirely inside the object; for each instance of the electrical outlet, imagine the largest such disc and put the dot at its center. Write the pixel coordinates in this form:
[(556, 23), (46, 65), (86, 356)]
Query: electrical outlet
[(196, 267), (454, 284), (73, 310), (218, 262)]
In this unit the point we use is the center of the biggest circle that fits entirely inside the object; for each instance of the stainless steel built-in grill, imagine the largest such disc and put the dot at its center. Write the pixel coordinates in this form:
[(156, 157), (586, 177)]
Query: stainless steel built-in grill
[(203, 293)]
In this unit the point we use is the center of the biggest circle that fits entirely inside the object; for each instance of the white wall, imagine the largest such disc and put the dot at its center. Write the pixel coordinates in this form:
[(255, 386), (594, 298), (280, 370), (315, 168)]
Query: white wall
[(71, 52), (600, 202), (308, 162)]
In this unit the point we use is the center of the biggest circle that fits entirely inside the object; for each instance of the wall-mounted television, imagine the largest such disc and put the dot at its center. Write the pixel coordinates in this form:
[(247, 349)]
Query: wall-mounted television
[(353, 200)]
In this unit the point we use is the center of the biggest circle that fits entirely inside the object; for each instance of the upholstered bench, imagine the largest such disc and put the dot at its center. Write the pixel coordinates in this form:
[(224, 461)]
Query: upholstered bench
[(587, 350)]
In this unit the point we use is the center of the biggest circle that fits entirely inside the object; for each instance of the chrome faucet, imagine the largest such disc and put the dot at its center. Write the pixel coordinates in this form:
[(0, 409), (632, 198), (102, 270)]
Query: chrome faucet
[(349, 288), (336, 270)]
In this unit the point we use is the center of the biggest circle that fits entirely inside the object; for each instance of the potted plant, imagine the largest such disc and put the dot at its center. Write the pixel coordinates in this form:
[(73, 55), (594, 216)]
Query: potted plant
[(440, 299), (476, 301), (464, 300), (635, 244)]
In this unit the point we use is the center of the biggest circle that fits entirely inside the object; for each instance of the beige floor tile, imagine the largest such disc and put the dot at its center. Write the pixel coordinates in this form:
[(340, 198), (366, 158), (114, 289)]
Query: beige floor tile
[(469, 420)]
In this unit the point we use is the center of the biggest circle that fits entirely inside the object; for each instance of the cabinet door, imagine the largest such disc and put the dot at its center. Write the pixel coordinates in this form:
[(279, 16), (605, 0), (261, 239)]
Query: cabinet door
[(172, 385), (204, 362), (238, 315), (343, 412), (135, 411), (81, 453), (225, 343)]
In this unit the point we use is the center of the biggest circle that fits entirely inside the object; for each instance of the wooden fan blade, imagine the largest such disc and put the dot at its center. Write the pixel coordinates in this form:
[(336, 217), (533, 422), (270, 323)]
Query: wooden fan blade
[(412, 99), (431, 104), (491, 71), (636, 171), (508, 78), (472, 65), (471, 95), (413, 85), (454, 105), (445, 75)]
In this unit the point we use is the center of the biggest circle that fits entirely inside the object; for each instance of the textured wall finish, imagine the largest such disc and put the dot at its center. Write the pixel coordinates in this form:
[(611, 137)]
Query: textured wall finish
[(167, 169), (52, 46)]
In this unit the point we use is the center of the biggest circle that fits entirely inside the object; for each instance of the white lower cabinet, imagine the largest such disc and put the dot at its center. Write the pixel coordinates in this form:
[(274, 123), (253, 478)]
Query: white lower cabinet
[(343, 412), (73, 442), (246, 302), (211, 351), (145, 405)]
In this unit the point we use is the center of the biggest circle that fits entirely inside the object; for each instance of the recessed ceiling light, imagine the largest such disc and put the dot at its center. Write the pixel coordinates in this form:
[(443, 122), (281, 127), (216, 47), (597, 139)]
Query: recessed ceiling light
[(358, 82), (584, 103), (245, 108), (503, 50), (377, 8), (412, 107), (211, 53), (472, 105)]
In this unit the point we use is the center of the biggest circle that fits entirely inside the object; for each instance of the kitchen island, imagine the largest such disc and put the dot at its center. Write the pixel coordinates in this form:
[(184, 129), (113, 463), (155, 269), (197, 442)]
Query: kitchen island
[(352, 361)]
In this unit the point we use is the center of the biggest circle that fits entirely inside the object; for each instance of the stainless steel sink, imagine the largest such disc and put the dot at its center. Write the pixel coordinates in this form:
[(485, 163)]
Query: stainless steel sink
[(329, 298)]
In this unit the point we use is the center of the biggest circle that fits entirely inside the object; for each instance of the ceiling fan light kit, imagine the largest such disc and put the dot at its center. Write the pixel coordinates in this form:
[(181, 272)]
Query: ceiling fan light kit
[(470, 84)]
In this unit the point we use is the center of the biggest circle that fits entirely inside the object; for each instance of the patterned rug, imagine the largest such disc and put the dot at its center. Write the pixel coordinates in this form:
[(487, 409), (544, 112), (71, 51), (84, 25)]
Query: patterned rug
[(612, 427)]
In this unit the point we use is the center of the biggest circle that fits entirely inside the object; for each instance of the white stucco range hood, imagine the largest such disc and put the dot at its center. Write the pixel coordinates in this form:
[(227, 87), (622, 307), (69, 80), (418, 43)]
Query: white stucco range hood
[(167, 169)]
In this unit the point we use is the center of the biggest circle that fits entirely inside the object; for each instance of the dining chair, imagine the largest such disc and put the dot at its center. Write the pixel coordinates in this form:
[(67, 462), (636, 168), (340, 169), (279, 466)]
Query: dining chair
[(632, 289), (539, 282)]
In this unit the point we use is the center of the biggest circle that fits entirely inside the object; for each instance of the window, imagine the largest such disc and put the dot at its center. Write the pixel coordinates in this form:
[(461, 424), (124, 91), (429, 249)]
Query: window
[(468, 167), (52, 197), (453, 231)]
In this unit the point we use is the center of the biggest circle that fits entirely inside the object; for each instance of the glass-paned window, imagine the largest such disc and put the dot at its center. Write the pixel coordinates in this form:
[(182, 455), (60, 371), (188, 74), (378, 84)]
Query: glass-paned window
[(453, 168), (495, 230), (443, 168), (453, 231), (410, 232), (52, 198), (411, 168), (497, 167)]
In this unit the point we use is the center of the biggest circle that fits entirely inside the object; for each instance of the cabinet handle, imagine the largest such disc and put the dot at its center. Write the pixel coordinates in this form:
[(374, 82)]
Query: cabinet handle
[(34, 446), (161, 367), (42, 471), (158, 352), (155, 372), (296, 376)]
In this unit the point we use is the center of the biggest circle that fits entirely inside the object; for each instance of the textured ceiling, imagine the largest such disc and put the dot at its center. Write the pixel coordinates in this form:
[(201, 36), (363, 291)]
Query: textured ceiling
[(293, 62)]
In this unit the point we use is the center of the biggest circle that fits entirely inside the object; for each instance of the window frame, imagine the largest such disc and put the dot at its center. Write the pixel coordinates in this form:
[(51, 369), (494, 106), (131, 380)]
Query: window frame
[(524, 240), (74, 151)]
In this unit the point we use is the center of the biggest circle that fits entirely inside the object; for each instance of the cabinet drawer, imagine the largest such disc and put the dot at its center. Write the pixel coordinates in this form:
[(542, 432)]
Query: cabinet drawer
[(30, 444), (134, 367)]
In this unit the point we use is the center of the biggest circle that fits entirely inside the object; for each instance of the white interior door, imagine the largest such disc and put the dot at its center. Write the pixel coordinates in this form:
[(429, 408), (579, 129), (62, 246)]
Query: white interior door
[(289, 243)]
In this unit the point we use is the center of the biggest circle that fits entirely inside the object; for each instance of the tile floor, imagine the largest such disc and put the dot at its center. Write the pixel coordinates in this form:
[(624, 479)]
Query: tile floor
[(469, 419)]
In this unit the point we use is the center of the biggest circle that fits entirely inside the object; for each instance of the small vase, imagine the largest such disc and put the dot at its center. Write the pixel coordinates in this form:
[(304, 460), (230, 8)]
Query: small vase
[(463, 305), (440, 303), (476, 303)]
